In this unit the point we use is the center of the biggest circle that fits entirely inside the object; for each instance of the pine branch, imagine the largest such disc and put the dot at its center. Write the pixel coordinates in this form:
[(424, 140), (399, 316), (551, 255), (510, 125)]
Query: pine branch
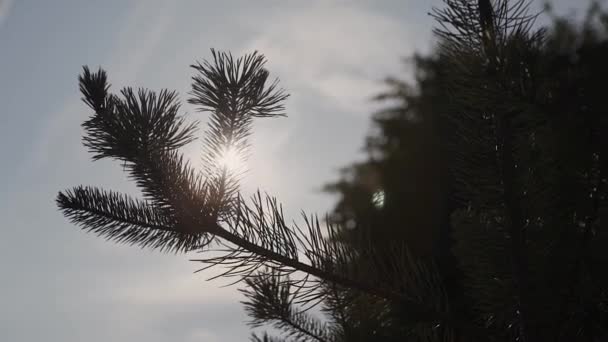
[(257, 243), (144, 131), (234, 91), (122, 219), (229, 87), (269, 299), (125, 128)]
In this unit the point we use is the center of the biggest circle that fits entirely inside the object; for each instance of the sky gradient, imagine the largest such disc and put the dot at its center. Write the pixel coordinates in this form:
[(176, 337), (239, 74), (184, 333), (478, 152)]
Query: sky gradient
[(59, 284)]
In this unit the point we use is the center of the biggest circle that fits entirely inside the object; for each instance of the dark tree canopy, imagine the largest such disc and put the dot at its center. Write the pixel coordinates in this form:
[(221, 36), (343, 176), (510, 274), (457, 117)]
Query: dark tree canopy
[(438, 158)]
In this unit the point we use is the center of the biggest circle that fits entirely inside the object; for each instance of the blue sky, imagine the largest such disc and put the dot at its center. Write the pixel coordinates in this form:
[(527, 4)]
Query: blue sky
[(59, 284)]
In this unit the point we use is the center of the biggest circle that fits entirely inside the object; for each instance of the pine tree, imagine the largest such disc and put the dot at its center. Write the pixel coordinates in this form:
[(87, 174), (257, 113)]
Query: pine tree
[(501, 240), (474, 252)]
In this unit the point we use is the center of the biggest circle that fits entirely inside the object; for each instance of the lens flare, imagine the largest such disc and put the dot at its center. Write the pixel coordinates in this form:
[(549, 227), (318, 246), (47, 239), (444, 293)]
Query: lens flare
[(378, 199)]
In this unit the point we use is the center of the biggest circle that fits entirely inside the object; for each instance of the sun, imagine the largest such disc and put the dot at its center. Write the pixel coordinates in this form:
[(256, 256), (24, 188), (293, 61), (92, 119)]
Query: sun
[(231, 159)]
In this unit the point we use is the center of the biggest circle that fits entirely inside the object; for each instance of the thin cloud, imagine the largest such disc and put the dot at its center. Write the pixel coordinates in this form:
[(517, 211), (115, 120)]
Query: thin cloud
[(342, 52)]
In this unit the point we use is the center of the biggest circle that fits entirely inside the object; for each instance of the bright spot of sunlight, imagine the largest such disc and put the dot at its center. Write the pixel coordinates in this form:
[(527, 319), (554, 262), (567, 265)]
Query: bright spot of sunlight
[(232, 159)]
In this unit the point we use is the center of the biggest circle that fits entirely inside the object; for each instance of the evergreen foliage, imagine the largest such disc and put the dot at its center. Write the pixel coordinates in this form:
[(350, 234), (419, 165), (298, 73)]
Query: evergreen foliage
[(500, 131), (479, 216)]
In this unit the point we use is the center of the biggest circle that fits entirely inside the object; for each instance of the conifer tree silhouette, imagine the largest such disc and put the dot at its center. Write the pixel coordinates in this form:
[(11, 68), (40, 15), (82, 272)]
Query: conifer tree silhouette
[(442, 137), (508, 244)]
